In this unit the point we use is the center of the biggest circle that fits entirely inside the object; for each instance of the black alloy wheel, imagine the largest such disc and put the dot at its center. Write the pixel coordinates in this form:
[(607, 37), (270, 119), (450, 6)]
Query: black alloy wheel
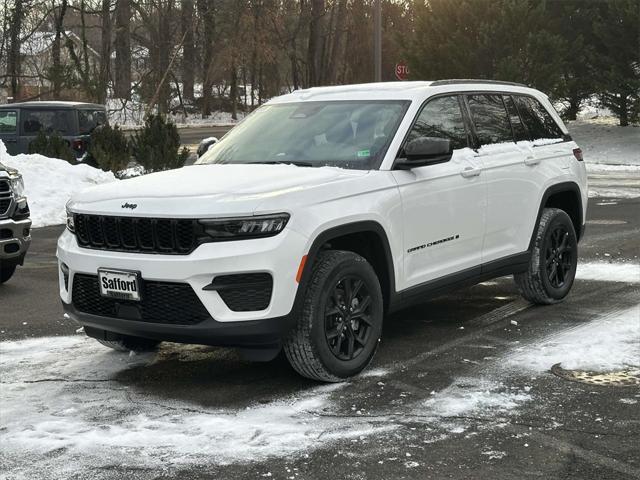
[(347, 318)]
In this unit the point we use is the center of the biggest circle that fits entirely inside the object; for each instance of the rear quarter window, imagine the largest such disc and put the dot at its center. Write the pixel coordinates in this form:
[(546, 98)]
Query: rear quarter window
[(8, 121), (537, 119)]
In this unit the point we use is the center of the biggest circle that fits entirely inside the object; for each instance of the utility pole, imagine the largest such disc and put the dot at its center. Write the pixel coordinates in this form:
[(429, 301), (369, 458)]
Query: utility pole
[(377, 40)]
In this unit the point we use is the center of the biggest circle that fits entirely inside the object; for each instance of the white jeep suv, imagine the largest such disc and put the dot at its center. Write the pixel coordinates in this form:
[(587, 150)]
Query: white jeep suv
[(322, 211)]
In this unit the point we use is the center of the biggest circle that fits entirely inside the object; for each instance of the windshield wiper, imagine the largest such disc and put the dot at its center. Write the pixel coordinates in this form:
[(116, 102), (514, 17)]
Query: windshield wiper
[(284, 162)]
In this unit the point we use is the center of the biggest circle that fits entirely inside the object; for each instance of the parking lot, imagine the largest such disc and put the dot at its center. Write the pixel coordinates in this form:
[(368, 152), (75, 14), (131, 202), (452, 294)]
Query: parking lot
[(461, 387)]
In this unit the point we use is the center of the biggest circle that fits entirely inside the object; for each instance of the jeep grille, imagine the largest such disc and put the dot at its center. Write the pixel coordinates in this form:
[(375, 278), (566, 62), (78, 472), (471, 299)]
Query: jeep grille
[(142, 235)]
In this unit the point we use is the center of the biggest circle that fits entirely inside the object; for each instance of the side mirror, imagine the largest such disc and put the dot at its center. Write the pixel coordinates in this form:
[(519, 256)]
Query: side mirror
[(205, 144), (423, 151)]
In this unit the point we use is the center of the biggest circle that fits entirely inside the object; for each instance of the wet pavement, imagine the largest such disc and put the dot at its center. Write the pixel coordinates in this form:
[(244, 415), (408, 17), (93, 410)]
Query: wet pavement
[(460, 388)]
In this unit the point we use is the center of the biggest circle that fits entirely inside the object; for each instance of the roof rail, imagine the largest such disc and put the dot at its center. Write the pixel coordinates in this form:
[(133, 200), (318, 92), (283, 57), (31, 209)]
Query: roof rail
[(471, 80)]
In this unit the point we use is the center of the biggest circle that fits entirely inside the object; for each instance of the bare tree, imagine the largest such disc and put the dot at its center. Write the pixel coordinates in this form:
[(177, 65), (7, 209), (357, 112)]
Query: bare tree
[(122, 81), (105, 51), (188, 49), (13, 50)]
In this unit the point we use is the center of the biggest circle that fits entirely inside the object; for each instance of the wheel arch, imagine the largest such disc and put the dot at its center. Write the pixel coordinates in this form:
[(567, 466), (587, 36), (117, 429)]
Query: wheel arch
[(366, 238), (567, 197)]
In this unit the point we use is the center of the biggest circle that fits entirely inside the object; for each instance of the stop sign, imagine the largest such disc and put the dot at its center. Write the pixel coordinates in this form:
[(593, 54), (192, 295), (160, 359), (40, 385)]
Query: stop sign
[(402, 71)]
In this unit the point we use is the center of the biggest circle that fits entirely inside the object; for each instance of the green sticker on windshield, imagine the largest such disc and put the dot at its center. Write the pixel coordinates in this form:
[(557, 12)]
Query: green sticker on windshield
[(364, 153)]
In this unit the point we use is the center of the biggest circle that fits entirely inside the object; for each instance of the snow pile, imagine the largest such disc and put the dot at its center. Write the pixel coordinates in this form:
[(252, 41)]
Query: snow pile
[(609, 272), (609, 343), (49, 183), (69, 405)]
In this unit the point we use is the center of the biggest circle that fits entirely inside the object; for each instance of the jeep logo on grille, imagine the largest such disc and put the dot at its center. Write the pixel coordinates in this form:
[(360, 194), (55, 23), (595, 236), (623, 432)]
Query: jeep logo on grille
[(130, 206)]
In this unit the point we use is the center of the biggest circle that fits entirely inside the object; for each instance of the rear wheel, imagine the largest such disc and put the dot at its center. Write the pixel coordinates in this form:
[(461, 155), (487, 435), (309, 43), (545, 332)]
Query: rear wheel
[(6, 273), (126, 343), (340, 325), (554, 259)]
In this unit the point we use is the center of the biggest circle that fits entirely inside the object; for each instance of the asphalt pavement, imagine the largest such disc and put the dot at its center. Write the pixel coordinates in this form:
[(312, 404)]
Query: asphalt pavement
[(409, 417)]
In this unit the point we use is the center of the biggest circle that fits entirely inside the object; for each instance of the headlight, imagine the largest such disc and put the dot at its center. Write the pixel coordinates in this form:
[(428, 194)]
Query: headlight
[(245, 227), (71, 226), (17, 185)]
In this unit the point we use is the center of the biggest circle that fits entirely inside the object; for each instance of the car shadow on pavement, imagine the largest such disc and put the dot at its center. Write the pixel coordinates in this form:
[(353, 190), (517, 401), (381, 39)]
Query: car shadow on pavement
[(219, 377)]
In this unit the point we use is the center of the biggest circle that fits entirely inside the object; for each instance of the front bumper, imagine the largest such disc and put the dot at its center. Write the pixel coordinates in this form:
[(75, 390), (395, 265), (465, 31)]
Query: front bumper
[(279, 256), (15, 238)]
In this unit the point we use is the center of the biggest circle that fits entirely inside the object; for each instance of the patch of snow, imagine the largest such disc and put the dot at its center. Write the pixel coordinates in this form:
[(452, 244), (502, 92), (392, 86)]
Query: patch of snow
[(609, 343), (609, 272), (50, 182), (606, 143), (473, 396), (69, 405), (494, 454), (375, 372)]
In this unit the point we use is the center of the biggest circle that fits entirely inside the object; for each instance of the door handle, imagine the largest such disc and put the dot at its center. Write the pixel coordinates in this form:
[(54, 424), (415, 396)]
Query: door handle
[(531, 160), (470, 172), (9, 140)]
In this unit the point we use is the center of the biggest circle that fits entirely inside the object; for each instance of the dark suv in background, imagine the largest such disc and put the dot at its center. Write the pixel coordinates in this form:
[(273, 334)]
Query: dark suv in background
[(73, 121)]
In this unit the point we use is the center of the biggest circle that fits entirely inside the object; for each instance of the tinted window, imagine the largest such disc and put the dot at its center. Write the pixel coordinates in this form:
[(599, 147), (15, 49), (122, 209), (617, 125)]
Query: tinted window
[(537, 119), (60, 121), (441, 118), (490, 118), (519, 132), (8, 120), (88, 120)]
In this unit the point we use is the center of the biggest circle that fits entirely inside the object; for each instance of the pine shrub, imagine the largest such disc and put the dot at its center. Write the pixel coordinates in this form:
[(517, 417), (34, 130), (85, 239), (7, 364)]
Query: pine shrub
[(157, 145), (53, 146), (109, 148)]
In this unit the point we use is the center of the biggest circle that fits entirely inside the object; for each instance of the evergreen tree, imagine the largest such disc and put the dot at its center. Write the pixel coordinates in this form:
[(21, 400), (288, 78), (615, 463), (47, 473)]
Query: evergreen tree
[(494, 39), (617, 37)]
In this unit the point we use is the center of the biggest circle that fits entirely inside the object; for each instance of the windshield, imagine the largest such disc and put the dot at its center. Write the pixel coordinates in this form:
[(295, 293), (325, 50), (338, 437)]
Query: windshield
[(346, 134)]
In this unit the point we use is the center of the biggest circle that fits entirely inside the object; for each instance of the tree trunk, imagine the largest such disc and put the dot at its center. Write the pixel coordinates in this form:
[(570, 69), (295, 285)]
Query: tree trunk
[(56, 72), (165, 13), (233, 91), (623, 106), (206, 13), (314, 50), (188, 50), (122, 83), (13, 51), (105, 52)]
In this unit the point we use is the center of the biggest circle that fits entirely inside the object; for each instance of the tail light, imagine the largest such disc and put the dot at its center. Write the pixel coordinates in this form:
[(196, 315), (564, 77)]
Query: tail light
[(577, 152), (77, 145)]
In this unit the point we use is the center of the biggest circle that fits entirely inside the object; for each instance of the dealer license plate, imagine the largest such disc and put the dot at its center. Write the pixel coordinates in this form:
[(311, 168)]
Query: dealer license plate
[(119, 284)]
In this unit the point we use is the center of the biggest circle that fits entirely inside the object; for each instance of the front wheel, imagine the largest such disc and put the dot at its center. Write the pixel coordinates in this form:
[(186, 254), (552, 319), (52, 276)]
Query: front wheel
[(340, 324), (6, 273), (554, 259)]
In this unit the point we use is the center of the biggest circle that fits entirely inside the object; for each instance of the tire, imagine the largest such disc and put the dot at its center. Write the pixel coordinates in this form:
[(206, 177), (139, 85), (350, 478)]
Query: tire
[(126, 344), (330, 342), (6, 273), (552, 267)]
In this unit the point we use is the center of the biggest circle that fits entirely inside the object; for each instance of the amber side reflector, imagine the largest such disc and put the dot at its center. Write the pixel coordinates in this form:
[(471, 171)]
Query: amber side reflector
[(301, 268), (577, 152)]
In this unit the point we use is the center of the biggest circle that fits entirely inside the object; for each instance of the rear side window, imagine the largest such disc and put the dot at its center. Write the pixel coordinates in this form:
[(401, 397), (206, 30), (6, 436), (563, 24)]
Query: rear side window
[(441, 118), (59, 121), (490, 119), (519, 131), (537, 119), (8, 121), (88, 120)]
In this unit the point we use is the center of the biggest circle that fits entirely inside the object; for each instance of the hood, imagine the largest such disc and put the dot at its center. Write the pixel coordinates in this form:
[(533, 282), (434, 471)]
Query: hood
[(206, 190)]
